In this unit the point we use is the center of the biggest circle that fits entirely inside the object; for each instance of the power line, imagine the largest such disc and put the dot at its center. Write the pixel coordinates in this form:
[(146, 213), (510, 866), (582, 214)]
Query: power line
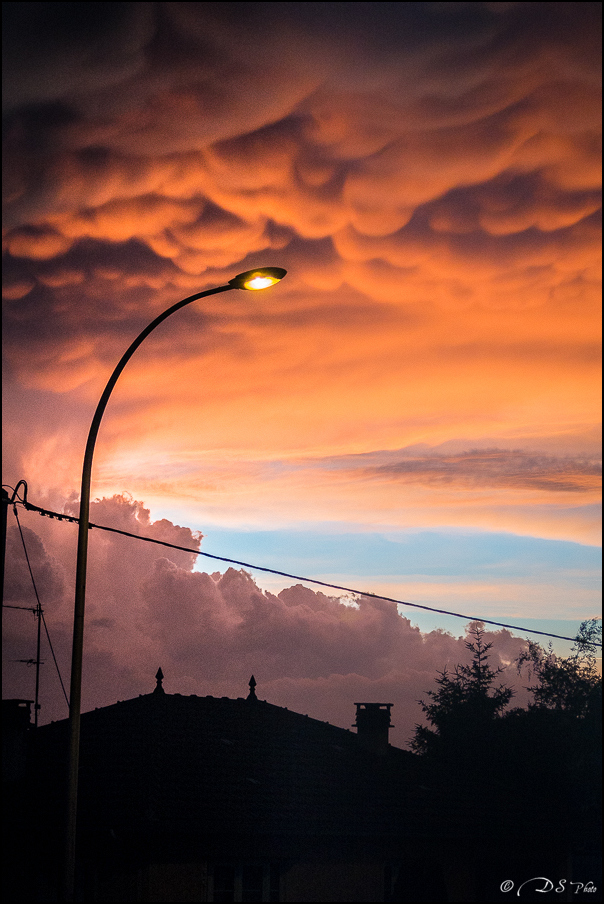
[(55, 659), (62, 517), (26, 608), (40, 614)]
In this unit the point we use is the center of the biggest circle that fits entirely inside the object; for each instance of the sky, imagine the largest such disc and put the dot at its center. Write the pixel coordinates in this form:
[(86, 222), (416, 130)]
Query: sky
[(414, 411)]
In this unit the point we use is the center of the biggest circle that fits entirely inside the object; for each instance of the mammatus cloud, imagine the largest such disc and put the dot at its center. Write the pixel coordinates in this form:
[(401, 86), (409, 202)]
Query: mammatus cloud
[(428, 174), (209, 632), (199, 148)]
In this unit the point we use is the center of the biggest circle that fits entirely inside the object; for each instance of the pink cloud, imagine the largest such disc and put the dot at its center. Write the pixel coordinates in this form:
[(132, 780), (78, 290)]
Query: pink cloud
[(147, 607)]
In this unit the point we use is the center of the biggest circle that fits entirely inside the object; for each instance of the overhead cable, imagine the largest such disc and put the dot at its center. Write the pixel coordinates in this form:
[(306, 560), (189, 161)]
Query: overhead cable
[(295, 577), (39, 611)]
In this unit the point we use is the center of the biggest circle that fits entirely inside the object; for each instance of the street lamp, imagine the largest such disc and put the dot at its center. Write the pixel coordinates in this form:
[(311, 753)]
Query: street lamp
[(251, 280)]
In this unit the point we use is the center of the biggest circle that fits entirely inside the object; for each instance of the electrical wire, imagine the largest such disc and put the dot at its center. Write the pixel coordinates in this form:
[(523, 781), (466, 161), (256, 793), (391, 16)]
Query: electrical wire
[(71, 518), (26, 608), (39, 609), (55, 659)]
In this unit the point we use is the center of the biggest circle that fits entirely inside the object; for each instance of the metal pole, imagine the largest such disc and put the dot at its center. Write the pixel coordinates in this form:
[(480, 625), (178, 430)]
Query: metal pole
[(38, 649), (80, 597), (3, 519)]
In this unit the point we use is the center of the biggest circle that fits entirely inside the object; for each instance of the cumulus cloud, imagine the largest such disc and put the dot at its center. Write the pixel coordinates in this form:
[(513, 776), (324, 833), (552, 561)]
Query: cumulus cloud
[(146, 606), (48, 571)]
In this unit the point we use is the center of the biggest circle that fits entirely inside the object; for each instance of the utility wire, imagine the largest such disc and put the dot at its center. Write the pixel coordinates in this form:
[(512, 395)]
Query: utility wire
[(27, 558), (39, 610), (62, 517), (27, 608), (55, 660)]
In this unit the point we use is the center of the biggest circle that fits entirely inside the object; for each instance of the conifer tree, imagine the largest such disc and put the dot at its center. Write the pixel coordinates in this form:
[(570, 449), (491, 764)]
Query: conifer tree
[(464, 706)]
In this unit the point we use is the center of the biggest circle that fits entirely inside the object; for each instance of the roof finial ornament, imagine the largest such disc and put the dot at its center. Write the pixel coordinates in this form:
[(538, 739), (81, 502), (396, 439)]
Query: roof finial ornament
[(159, 677), (252, 693)]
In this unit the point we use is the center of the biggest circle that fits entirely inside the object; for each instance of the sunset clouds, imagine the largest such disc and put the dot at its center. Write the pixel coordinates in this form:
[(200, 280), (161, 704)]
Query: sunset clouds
[(146, 605), (429, 175)]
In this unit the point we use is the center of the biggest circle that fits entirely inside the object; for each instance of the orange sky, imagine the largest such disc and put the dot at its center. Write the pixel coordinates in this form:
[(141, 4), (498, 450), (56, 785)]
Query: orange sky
[(429, 176)]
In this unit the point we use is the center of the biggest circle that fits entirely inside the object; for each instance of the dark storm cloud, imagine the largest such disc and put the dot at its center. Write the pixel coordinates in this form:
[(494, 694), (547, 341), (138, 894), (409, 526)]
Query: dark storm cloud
[(78, 47)]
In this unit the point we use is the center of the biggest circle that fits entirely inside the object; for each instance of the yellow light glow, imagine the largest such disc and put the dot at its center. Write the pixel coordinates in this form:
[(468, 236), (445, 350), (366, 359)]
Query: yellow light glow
[(259, 278), (260, 282)]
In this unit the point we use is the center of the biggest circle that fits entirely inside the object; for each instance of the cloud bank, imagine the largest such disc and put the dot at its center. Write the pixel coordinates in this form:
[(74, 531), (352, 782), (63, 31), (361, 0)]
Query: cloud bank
[(146, 607)]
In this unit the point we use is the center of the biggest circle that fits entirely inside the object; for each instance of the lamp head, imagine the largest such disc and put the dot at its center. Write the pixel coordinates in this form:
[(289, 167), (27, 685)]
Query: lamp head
[(258, 279)]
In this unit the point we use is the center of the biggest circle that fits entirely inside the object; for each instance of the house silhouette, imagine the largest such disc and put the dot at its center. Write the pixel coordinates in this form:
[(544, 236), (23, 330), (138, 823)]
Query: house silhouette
[(187, 798), (194, 799)]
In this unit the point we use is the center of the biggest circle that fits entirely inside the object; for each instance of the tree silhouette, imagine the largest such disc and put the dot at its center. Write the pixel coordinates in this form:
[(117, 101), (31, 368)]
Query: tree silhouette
[(559, 738), (520, 787), (464, 707), (568, 684)]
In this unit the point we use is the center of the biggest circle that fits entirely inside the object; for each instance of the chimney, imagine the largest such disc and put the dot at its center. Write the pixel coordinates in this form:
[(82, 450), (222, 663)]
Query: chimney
[(372, 724)]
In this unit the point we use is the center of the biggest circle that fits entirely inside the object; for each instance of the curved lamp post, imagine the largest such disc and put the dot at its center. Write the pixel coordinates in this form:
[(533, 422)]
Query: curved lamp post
[(251, 279)]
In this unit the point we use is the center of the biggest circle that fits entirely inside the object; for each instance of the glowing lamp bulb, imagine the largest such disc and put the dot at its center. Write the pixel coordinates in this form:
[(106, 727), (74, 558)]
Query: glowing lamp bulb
[(260, 282), (258, 279)]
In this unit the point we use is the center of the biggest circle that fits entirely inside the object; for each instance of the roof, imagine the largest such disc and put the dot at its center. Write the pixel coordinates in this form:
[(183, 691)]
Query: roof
[(169, 763)]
